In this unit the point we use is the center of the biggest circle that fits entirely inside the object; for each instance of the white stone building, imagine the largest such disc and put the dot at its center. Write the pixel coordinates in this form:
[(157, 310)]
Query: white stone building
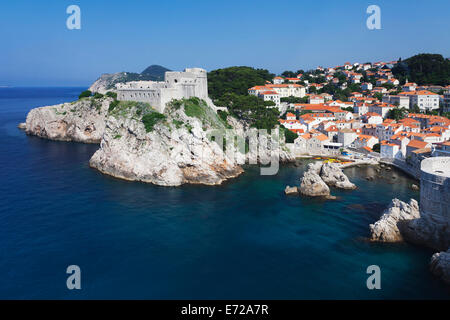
[(425, 100), (192, 82)]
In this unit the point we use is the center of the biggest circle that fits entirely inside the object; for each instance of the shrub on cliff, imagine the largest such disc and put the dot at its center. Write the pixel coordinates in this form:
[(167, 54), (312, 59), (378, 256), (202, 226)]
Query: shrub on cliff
[(85, 94), (111, 95), (151, 119), (98, 95)]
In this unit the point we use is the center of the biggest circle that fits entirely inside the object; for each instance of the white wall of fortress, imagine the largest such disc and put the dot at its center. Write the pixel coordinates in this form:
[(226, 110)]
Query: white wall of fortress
[(435, 189), (192, 82)]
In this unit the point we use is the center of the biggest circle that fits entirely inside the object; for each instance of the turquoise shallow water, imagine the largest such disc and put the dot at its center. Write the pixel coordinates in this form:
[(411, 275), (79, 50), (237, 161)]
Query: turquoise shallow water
[(244, 239)]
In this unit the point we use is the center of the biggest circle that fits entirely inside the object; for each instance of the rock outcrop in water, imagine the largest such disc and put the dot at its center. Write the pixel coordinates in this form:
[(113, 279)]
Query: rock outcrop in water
[(333, 176), (394, 220), (312, 184), (320, 176), (82, 121), (168, 150), (440, 265), (290, 190)]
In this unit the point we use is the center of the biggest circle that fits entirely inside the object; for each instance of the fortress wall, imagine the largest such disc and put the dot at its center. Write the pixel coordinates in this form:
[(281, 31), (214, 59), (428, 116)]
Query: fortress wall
[(177, 85), (153, 97), (435, 189)]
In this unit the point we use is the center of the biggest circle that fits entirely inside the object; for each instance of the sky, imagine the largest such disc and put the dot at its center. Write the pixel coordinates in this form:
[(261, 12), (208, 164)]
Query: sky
[(37, 49)]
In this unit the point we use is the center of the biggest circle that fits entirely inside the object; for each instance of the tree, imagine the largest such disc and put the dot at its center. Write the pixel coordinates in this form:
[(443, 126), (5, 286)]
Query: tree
[(235, 80), (288, 134), (424, 69), (111, 94), (289, 74), (376, 147), (85, 94), (250, 109), (378, 95), (415, 108), (397, 113)]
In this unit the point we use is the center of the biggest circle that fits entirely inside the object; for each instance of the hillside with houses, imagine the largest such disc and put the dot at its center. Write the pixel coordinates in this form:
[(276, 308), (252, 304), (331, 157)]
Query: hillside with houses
[(361, 108)]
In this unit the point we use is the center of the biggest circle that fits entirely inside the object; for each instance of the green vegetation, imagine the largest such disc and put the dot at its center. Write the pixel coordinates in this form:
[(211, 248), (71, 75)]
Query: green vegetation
[(198, 108), (60, 113), (235, 80), (96, 104), (424, 69), (376, 147), (223, 115), (131, 109), (379, 96), (151, 119), (292, 99), (288, 134), (112, 105), (117, 136), (178, 124), (85, 94), (111, 95), (98, 95), (397, 113), (251, 109), (193, 108)]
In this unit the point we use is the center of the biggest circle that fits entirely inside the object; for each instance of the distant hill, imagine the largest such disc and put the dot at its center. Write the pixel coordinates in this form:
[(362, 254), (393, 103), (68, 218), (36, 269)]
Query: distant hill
[(155, 72), (108, 81), (424, 69)]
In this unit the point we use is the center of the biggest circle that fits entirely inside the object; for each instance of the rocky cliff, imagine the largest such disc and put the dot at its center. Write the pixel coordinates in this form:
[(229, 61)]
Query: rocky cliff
[(394, 220), (333, 176), (82, 120), (171, 149), (440, 265), (320, 176)]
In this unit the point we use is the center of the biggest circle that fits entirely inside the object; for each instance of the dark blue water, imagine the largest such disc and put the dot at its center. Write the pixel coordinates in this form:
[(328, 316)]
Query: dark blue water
[(244, 239)]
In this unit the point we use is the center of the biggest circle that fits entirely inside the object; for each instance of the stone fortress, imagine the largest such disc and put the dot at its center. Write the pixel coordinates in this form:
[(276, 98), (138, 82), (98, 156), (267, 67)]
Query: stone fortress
[(435, 189), (192, 82)]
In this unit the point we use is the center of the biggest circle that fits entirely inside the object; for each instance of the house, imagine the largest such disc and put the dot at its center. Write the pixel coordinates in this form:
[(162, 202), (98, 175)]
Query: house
[(278, 80), (372, 118), (381, 108), (366, 86), (389, 150), (293, 80), (270, 96), (363, 140), (290, 116), (425, 100), (402, 101), (402, 141), (409, 86), (316, 99), (416, 144), (311, 144), (442, 150), (346, 137)]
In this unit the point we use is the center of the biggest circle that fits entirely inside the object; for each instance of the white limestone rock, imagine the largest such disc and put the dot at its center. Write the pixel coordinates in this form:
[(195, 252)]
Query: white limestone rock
[(262, 156), (291, 190), (424, 232), (333, 176), (82, 120), (312, 185), (169, 155), (107, 81), (440, 265), (394, 220)]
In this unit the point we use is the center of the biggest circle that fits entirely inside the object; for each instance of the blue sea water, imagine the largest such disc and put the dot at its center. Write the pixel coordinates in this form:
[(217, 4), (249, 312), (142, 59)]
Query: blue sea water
[(242, 240)]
